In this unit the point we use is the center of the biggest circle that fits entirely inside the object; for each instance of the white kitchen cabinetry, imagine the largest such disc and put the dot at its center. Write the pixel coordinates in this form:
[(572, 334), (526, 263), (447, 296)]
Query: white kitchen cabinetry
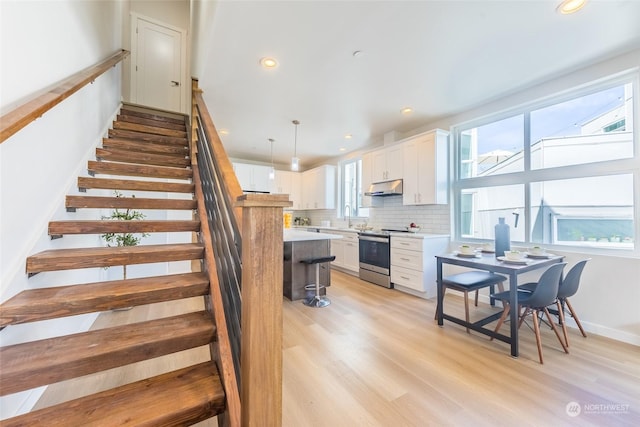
[(290, 183), (387, 164), (319, 188), (425, 169), (253, 178), (413, 264), (346, 251)]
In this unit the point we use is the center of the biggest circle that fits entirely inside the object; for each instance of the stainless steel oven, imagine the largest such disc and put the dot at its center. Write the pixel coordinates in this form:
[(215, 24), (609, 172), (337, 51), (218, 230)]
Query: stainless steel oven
[(375, 258)]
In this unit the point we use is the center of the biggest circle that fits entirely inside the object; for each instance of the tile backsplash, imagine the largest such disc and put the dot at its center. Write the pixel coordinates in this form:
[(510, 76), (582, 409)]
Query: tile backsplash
[(433, 219)]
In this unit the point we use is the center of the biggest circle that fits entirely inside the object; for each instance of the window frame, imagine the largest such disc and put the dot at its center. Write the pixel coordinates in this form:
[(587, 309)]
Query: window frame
[(528, 175), (362, 212)]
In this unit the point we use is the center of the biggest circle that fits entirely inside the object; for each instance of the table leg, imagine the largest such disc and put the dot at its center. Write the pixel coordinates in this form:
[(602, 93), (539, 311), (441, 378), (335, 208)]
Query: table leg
[(513, 312), (439, 307)]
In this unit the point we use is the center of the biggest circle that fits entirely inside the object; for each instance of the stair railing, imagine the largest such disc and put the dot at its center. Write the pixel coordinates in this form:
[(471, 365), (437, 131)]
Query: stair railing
[(244, 246), (26, 113)]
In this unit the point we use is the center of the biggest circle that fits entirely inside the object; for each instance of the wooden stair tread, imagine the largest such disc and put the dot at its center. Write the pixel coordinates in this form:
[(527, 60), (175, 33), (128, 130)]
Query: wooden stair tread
[(126, 156), (127, 169), (181, 397), (145, 147), (123, 184), (150, 122), (60, 301), (60, 228), (128, 202), (37, 363), (150, 115), (142, 136), (69, 259), (151, 130)]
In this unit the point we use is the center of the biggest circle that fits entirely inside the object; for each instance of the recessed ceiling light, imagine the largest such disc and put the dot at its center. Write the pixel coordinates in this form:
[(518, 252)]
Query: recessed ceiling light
[(342, 149), (223, 132), (570, 6), (268, 62), (407, 110), (348, 136)]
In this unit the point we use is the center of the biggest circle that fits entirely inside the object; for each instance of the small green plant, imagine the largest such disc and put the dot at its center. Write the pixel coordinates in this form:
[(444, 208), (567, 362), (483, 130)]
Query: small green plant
[(124, 239)]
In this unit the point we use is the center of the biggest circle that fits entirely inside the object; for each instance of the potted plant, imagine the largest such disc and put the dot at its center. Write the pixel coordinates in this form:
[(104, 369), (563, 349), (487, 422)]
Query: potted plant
[(124, 239)]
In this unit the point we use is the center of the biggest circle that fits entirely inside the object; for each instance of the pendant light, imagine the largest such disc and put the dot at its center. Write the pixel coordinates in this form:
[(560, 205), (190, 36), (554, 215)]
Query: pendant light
[(295, 161), (272, 172)]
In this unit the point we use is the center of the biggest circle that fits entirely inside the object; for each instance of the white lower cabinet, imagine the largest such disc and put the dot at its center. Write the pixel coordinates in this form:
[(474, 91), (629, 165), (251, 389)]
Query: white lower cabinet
[(346, 251), (413, 263)]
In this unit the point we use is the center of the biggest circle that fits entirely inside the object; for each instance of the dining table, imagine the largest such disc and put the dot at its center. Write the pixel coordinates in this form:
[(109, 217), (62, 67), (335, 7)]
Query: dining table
[(489, 262)]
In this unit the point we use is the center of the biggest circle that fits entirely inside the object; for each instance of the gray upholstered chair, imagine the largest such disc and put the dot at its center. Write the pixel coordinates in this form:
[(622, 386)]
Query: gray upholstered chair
[(544, 294)]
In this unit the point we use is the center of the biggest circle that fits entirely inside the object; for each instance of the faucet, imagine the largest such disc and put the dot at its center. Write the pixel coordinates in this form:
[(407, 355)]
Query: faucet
[(348, 208)]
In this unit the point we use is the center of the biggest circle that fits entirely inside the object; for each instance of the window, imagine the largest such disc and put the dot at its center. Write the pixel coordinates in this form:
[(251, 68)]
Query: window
[(560, 172), (351, 190)]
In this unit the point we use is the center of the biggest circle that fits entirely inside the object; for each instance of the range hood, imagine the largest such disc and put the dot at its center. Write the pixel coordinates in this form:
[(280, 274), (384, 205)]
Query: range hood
[(386, 188)]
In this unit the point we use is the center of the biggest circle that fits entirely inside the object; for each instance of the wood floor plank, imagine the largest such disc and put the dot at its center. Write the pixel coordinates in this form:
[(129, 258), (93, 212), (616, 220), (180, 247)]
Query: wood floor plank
[(380, 347)]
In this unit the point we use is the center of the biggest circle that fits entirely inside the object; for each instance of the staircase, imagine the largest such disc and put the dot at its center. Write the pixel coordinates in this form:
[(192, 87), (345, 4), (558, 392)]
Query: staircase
[(151, 145)]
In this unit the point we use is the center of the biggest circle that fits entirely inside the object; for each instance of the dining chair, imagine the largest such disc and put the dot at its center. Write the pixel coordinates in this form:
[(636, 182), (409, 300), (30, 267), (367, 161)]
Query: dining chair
[(544, 294), (470, 281), (568, 287)]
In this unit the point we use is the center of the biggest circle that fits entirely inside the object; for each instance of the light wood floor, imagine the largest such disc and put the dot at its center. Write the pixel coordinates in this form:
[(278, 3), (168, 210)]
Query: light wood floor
[(375, 357)]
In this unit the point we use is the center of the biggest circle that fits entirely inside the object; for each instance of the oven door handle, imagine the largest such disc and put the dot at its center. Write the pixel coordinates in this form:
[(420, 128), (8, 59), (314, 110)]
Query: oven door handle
[(374, 239)]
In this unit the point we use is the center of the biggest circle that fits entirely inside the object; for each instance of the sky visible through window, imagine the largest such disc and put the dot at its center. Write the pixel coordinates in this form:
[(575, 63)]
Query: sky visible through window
[(558, 120)]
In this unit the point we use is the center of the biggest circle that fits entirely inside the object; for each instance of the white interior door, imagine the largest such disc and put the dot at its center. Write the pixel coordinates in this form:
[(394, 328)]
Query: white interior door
[(158, 65)]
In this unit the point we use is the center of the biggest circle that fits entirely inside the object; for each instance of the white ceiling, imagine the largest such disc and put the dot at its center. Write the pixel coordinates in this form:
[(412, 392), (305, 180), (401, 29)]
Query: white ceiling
[(439, 57)]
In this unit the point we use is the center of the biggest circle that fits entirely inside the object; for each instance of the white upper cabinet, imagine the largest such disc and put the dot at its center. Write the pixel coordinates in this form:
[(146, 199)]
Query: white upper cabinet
[(290, 183), (319, 188), (253, 178), (387, 164), (425, 169)]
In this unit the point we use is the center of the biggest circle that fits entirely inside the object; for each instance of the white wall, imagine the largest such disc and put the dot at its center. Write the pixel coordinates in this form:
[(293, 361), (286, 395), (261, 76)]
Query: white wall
[(44, 42), (608, 302)]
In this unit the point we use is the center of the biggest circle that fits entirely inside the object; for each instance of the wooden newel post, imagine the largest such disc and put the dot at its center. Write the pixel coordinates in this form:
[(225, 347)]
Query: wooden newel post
[(262, 270)]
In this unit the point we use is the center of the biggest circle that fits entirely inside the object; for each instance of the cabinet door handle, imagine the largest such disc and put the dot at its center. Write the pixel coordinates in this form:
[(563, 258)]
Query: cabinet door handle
[(405, 259), (404, 244), (404, 277), (175, 83)]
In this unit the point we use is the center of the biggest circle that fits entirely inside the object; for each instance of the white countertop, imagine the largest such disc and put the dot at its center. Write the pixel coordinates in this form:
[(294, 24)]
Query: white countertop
[(296, 235), (353, 230)]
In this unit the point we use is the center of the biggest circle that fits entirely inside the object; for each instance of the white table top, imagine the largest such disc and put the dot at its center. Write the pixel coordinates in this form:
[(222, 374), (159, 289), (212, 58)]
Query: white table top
[(293, 235)]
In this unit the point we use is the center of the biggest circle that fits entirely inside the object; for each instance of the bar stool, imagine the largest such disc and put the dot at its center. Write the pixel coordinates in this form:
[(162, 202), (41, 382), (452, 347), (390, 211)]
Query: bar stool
[(470, 281), (317, 300)]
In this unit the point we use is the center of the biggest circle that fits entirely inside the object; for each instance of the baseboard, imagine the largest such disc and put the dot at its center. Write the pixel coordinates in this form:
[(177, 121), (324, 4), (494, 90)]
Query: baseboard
[(589, 327)]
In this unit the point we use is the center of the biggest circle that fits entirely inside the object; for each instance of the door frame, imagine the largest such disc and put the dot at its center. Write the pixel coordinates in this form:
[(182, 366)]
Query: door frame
[(135, 17)]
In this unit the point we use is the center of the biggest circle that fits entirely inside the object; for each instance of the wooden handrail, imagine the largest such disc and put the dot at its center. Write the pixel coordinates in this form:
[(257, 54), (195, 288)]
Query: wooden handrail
[(232, 186), (26, 113)]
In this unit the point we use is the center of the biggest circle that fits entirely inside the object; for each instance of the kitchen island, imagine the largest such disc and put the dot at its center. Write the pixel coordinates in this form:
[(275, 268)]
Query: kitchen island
[(299, 245)]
